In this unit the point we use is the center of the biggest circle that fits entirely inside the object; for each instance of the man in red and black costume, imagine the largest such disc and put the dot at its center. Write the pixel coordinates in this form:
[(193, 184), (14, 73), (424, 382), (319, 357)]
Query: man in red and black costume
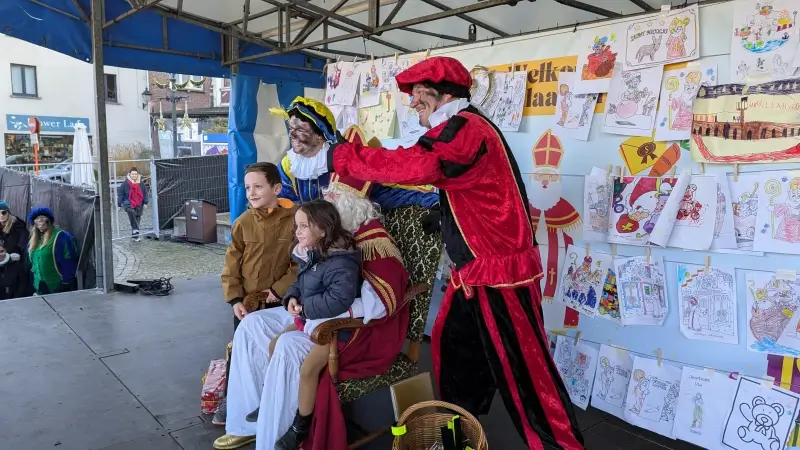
[(493, 301)]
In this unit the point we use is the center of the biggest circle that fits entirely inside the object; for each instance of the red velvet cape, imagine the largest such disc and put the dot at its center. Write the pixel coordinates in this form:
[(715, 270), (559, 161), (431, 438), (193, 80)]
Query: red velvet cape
[(370, 351)]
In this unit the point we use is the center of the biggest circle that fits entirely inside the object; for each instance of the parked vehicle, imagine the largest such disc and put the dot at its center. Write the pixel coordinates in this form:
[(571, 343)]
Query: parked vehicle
[(60, 172)]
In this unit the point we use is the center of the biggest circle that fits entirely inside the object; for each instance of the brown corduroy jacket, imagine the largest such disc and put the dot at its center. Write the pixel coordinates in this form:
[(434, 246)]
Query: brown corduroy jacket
[(258, 257)]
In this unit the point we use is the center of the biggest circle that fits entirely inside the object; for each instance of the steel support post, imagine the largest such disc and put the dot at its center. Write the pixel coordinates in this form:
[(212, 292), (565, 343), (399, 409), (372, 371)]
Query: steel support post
[(373, 14), (106, 253)]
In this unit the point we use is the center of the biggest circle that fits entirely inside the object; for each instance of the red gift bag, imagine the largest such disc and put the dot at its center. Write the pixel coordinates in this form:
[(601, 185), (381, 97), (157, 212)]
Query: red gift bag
[(213, 387)]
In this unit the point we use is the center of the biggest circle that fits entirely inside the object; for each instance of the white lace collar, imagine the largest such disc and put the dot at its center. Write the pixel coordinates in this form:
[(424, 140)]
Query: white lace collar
[(305, 168), (446, 111)]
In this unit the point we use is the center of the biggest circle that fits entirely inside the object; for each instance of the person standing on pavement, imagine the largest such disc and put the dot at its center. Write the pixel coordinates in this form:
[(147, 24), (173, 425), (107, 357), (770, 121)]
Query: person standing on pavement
[(13, 232), (132, 195), (489, 333), (14, 279), (258, 265), (53, 254)]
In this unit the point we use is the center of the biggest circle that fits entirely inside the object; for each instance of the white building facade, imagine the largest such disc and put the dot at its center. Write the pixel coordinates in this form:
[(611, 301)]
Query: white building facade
[(59, 91)]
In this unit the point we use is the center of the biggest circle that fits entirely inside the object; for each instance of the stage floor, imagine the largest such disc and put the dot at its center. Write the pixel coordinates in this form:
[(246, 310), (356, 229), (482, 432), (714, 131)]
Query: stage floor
[(87, 371)]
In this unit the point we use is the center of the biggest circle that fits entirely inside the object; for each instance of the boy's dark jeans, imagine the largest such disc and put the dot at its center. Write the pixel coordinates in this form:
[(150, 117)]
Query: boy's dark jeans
[(135, 216)]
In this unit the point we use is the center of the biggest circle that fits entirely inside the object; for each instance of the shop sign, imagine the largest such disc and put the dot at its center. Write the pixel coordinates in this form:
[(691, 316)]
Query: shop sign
[(50, 124)]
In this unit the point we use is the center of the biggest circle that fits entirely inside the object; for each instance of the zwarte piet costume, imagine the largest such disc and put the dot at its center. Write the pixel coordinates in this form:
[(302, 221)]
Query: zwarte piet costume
[(493, 301), (304, 178)]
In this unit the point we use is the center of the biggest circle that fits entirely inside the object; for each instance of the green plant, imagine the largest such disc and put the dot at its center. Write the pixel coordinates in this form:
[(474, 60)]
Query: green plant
[(123, 157), (218, 125)]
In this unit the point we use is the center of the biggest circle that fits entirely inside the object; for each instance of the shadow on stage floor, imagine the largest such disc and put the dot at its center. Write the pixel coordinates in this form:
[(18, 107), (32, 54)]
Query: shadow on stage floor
[(87, 371)]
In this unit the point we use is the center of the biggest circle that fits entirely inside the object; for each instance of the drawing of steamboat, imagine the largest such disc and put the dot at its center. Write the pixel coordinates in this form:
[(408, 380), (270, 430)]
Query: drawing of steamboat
[(769, 323)]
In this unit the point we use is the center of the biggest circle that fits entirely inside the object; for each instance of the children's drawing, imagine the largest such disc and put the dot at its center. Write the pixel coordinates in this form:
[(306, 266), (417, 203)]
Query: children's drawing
[(772, 317), (596, 205), (696, 217), (669, 211), (378, 121), (482, 85), (641, 153), (345, 116), (778, 218), (724, 228), (341, 83), (642, 290), (371, 82), (653, 395), (764, 39), (636, 204), (632, 101), (705, 397), (492, 103), (744, 195), (611, 379), (582, 278), (597, 51), (574, 113), (508, 114), (609, 300), (388, 69), (707, 302), (663, 39), (678, 91), (737, 123), (576, 364), (407, 118), (760, 417)]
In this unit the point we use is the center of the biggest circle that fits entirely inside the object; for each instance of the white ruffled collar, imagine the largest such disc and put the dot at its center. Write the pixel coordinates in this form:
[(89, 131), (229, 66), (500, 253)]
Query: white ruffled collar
[(305, 168), (446, 111)]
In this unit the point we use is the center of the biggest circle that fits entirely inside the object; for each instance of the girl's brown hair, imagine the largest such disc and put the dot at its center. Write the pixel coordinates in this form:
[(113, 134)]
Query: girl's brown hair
[(326, 218)]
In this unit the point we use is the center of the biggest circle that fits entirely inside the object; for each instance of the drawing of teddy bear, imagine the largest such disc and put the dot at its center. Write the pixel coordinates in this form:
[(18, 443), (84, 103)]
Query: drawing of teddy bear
[(762, 419)]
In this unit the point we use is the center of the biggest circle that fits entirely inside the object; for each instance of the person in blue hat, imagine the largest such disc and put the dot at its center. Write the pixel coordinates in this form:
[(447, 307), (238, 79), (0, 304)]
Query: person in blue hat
[(53, 254)]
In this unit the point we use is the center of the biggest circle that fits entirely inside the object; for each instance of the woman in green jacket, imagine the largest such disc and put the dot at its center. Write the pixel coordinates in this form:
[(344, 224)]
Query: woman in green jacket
[(52, 253)]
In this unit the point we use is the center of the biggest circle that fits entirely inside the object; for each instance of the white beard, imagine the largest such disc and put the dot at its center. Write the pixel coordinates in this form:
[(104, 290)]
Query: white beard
[(544, 198)]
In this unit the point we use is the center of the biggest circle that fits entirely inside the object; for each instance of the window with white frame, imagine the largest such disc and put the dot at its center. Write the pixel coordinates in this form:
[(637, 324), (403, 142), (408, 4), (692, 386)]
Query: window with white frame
[(23, 81), (181, 78), (222, 91)]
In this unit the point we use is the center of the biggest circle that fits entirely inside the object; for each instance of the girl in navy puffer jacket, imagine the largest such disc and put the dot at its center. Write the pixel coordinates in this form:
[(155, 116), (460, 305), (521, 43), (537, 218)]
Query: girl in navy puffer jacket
[(328, 281)]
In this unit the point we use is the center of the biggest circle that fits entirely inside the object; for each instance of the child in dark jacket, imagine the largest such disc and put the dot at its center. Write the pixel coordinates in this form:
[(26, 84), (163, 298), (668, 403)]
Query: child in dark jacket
[(14, 279), (328, 281)]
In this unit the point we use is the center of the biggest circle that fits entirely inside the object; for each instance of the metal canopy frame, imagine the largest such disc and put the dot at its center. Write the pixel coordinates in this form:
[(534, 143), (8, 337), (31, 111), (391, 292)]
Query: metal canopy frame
[(315, 18)]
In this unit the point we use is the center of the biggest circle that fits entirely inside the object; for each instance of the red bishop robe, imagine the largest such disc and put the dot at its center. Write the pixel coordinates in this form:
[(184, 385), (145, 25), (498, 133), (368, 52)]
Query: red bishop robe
[(562, 217), (485, 221), (370, 351)]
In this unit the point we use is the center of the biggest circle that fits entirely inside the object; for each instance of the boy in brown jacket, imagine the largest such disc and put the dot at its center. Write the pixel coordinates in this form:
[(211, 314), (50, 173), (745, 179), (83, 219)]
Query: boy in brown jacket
[(258, 268)]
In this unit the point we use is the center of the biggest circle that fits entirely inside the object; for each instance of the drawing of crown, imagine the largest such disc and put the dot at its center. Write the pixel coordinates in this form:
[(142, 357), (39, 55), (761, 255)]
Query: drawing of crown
[(548, 151)]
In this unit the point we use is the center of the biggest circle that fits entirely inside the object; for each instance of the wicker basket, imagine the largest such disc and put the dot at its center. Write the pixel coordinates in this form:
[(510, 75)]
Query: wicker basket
[(424, 429)]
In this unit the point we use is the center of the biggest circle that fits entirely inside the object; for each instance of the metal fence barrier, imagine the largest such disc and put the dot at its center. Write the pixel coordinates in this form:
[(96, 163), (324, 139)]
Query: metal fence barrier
[(118, 170)]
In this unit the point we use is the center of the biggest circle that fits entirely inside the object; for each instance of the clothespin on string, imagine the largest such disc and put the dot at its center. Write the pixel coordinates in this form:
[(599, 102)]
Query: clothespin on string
[(620, 171), (647, 254), (578, 337), (588, 248), (702, 168), (660, 354), (708, 262), (355, 59), (428, 53), (613, 251), (372, 57), (395, 57), (608, 170), (735, 173)]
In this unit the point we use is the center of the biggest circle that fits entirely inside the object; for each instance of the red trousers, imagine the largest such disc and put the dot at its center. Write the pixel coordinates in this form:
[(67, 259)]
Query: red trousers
[(486, 339)]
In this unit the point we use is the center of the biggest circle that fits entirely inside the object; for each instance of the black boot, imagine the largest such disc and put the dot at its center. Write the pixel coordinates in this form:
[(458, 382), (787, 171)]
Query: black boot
[(296, 434), (253, 416)]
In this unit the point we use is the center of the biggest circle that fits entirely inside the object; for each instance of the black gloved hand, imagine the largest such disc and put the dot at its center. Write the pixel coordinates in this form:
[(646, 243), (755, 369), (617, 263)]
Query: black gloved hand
[(432, 222)]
